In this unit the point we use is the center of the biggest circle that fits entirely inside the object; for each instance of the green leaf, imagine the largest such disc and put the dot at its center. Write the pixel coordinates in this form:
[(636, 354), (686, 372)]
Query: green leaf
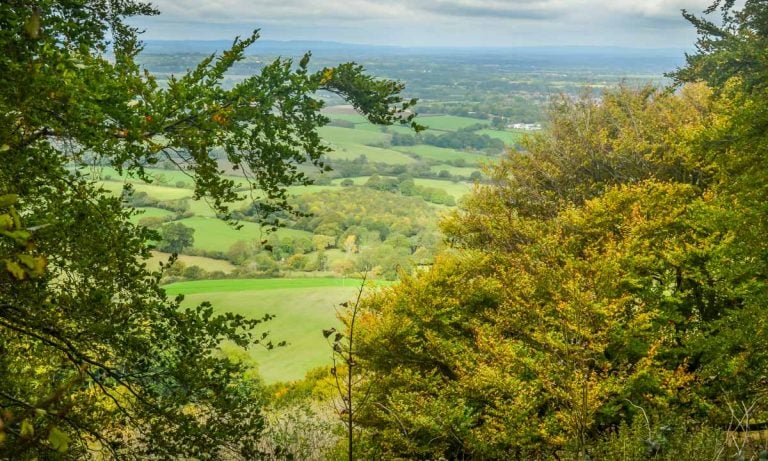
[(8, 199), (36, 264), (59, 440), (6, 222), (21, 236)]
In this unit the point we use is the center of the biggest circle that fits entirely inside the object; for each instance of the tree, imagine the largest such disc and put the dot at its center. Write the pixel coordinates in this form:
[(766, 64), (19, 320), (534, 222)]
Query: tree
[(345, 372), (175, 237), (94, 357), (611, 265)]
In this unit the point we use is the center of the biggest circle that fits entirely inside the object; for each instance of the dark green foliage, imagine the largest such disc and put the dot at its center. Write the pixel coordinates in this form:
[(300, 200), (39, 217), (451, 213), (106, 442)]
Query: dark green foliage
[(94, 359), (734, 48), (463, 139), (460, 139), (175, 237)]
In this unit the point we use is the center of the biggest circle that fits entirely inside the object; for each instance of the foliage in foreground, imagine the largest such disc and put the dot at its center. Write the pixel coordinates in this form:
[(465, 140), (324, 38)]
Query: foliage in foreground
[(95, 361), (615, 269)]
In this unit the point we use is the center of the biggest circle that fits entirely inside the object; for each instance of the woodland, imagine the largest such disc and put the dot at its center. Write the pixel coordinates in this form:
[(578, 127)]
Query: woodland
[(599, 295)]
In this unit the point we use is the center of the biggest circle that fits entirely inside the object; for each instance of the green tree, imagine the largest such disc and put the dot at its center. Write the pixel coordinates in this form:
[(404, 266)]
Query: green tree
[(175, 237), (95, 361), (611, 265), (730, 58)]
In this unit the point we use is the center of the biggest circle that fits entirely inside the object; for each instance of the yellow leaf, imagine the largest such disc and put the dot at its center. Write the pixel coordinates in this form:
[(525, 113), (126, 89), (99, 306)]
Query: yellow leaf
[(27, 429), (327, 76), (15, 269), (59, 440), (32, 26)]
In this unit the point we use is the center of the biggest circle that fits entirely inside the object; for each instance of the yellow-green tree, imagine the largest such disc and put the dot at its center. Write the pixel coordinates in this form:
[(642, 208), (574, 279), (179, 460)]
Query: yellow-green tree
[(609, 267)]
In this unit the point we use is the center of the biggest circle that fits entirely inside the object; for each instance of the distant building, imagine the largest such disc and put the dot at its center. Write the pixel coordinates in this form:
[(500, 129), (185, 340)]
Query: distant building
[(525, 126)]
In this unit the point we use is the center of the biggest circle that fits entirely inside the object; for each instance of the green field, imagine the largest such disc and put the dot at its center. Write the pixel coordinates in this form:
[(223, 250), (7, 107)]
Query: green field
[(215, 235), (448, 122), (209, 264), (338, 135), (386, 129), (456, 189), (150, 213), (303, 308), (440, 154), (345, 151), (158, 176), (354, 118), (362, 123), (240, 285), (509, 138), (160, 193)]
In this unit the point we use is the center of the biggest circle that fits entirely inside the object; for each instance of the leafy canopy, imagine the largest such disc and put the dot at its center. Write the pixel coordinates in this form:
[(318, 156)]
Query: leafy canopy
[(617, 264), (95, 361)]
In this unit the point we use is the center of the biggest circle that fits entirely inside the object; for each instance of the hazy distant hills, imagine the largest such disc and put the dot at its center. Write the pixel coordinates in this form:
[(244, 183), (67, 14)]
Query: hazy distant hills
[(627, 59)]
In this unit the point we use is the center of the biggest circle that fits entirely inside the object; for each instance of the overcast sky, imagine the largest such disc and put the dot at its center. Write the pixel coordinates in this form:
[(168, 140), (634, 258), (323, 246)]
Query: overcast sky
[(635, 23)]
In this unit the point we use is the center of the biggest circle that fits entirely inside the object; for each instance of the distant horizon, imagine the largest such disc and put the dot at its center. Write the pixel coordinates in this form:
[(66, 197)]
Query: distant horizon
[(229, 41)]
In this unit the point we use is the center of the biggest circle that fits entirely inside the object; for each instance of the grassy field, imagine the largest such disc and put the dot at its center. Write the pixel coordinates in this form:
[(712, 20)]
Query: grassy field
[(150, 213), (344, 151), (209, 264), (509, 138), (303, 308), (338, 135), (362, 123), (160, 193), (241, 285), (448, 122), (440, 154), (354, 118), (214, 235), (159, 177), (389, 129), (456, 189)]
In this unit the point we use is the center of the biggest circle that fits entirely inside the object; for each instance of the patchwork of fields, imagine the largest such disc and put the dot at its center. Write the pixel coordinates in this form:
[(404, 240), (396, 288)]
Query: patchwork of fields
[(304, 306)]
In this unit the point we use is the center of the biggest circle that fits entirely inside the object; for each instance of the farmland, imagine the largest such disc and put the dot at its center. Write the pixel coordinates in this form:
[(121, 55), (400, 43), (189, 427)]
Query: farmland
[(302, 309), (312, 248), (374, 213)]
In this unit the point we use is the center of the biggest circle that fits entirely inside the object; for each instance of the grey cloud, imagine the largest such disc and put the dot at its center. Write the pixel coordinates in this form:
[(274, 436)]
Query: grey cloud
[(492, 9), (436, 22)]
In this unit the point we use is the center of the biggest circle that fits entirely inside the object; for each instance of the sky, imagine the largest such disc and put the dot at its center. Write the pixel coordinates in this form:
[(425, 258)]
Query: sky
[(449, 23)]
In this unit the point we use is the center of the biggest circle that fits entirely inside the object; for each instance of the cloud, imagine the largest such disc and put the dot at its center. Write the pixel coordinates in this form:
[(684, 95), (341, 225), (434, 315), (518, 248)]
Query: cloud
[(435, 22), (282, 11), (512, 9)]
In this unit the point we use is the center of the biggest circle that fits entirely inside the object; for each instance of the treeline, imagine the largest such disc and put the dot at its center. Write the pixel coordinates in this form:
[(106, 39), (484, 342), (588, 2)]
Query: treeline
[(421, 169), (405, 185), (461, 139)]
